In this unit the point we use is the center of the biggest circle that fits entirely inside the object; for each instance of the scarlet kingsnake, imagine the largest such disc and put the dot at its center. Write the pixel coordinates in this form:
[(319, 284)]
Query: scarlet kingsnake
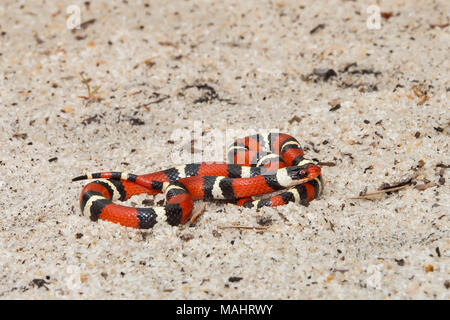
[(262, 164)]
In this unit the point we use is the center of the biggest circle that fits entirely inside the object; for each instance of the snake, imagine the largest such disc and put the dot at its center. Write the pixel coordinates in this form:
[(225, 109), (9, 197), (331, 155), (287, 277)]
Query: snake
[(258, 165)]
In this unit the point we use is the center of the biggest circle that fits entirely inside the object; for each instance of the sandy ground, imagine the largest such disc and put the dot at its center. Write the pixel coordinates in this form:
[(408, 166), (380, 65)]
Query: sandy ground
[(372, 103)]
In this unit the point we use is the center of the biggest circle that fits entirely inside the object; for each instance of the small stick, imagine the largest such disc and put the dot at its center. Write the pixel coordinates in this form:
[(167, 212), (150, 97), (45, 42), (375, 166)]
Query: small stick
[(326, 164), (286, 220), (375, 193), (198, 212), (243, 227), (368, 195)]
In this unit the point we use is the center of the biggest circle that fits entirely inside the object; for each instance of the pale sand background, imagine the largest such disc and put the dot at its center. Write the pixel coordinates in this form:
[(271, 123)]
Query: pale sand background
[(256, 55)]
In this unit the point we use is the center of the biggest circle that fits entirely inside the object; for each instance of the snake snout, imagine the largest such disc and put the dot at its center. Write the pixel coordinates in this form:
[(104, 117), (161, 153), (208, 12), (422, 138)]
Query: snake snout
[(313, 172)]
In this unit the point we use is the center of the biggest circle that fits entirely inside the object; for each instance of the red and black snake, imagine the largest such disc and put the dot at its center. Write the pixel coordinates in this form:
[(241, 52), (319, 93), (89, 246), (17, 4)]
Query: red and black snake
[(261, 164)]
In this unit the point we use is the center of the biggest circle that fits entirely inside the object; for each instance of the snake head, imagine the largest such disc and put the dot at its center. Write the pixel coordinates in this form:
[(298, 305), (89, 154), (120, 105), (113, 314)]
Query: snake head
[(305, 172)]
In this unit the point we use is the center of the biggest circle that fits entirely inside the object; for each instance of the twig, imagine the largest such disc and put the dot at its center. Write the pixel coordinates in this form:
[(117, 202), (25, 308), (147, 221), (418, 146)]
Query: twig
[(243, 227), (198, 212), (370, 195), (377, 194), (286, 220), (326, 164)]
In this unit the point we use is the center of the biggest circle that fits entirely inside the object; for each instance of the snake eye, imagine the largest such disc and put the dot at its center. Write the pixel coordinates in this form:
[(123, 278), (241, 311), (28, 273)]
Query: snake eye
[(297, 173), (302, 174)]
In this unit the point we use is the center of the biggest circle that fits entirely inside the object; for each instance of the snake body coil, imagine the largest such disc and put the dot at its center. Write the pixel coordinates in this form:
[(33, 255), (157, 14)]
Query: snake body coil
[(261, 164)]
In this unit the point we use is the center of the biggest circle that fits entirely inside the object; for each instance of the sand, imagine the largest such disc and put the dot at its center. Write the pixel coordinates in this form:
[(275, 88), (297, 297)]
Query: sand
[(370, 103)]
